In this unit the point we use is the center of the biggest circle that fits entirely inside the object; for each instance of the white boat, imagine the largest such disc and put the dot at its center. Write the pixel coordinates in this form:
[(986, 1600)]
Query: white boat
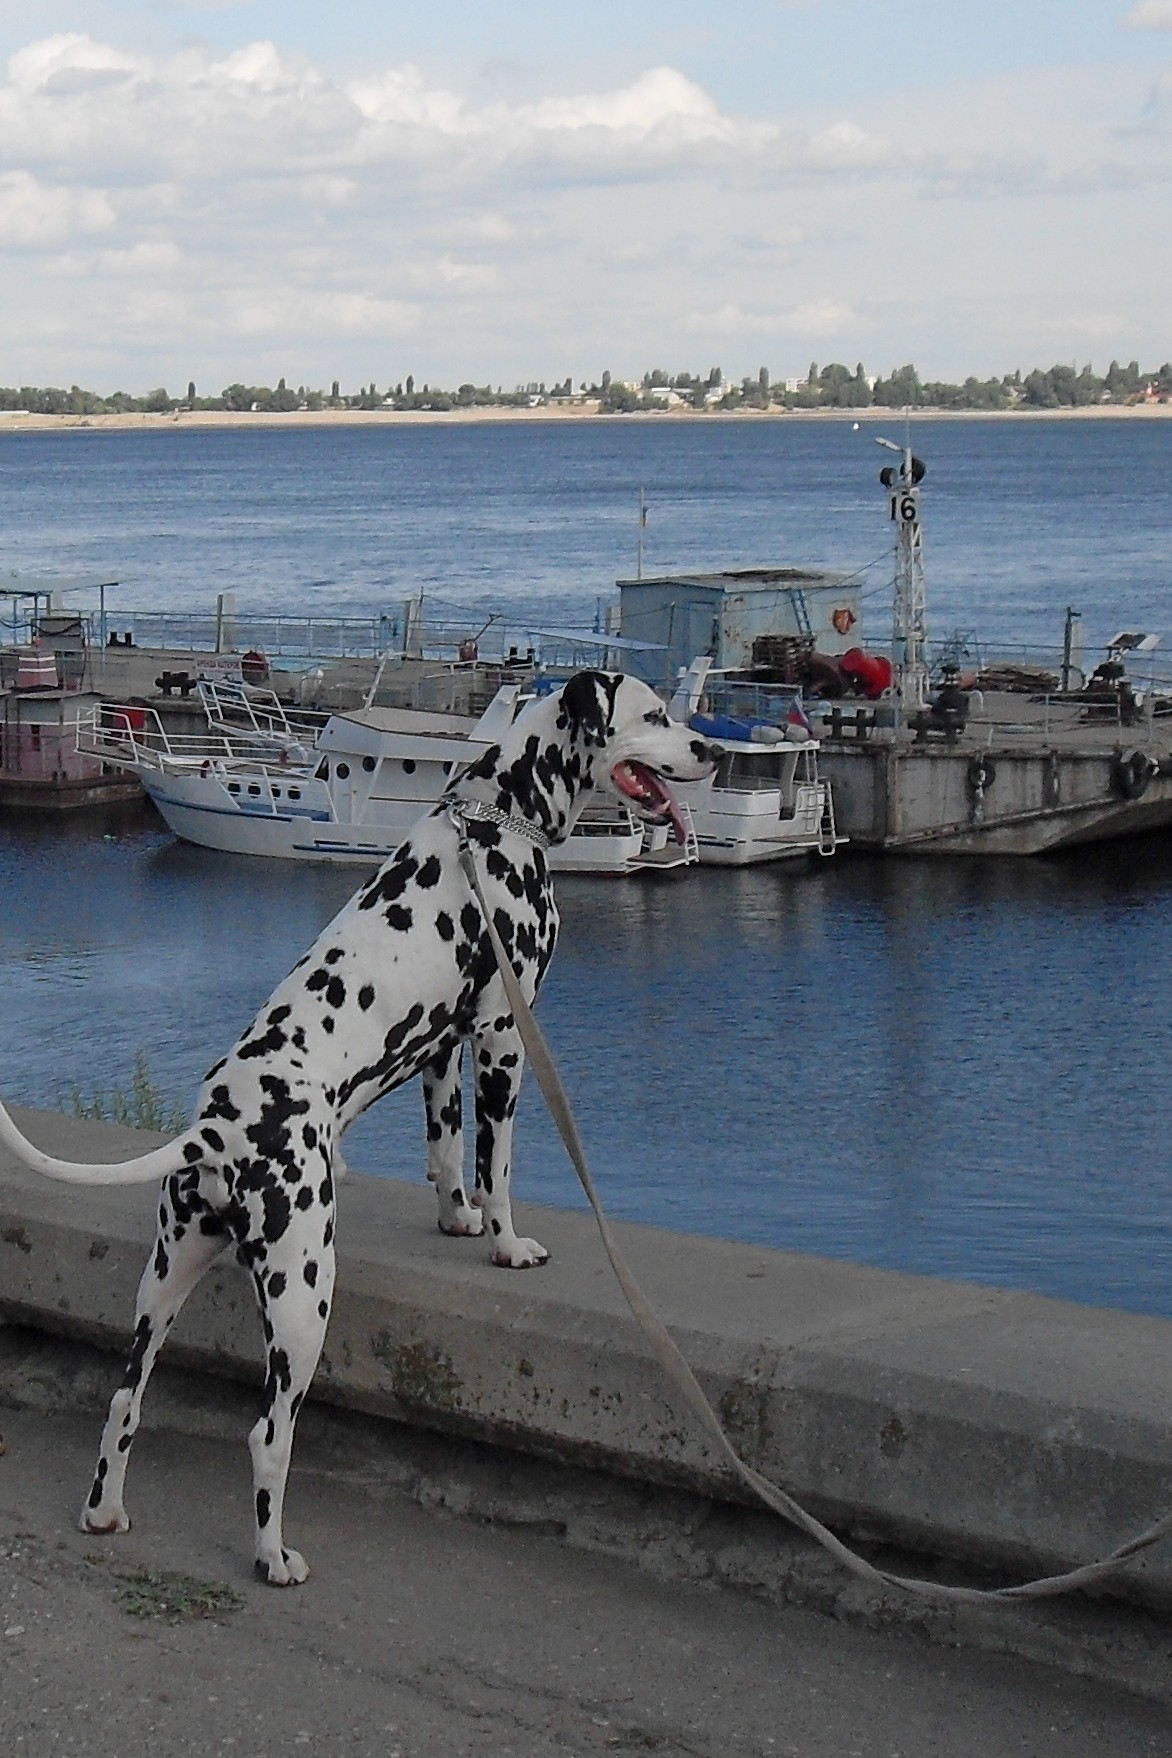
[(765, 801), (258, 779)]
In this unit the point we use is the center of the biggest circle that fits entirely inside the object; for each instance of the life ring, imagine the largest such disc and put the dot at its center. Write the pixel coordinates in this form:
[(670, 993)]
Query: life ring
[(981, 775), (1131, 773)]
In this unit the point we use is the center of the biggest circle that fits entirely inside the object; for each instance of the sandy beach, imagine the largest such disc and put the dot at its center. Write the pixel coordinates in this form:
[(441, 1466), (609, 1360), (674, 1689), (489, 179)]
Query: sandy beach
[(20, 421)]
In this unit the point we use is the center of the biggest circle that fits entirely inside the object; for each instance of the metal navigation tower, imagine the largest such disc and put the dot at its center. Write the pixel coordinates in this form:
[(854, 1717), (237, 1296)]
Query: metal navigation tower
[(909, 637)]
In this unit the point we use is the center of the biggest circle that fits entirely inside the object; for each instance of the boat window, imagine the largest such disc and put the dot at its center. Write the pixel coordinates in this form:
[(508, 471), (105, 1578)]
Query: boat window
[(749, 770), (408, 766), (369, 765), (294, 793), (233, 787), (253, 788), (342, 771)]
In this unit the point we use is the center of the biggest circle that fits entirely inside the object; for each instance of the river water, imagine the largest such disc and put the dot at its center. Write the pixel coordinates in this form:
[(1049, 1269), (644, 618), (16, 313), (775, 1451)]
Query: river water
[(958, 1068)]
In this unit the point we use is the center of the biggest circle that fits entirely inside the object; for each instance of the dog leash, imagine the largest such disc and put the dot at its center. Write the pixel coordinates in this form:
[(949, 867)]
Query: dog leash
[(673, 1362)]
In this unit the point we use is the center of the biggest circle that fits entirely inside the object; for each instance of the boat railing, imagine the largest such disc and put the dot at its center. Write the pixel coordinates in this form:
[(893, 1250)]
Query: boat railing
[(763, 703), (242, 711), (279, 634), (132, 736)]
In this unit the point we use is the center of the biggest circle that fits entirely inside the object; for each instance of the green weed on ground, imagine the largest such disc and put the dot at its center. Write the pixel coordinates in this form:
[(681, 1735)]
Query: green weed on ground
[(175, 1598)]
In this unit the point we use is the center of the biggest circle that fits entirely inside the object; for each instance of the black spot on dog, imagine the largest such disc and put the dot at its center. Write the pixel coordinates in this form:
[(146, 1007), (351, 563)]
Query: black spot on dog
[(272, 1040), (444, 925), (276, 1213), (429, 873), (220, 1105), (390, 882), (264, 1507), (279, 1377), (365, 997)]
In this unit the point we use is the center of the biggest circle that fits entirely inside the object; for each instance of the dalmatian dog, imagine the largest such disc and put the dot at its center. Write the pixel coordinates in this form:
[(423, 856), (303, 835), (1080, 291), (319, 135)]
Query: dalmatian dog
[(395, 986)]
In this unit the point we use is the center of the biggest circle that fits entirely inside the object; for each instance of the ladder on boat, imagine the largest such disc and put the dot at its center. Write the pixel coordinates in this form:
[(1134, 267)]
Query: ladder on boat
[(828, 837), (672, 854)]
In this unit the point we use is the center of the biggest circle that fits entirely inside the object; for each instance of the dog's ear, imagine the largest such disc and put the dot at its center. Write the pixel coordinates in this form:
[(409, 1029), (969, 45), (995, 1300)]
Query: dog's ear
[(588, 706)]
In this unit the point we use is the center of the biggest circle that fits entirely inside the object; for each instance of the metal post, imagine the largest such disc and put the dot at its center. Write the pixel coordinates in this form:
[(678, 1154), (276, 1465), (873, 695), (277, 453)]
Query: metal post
[(1071, 644), (909, 632)]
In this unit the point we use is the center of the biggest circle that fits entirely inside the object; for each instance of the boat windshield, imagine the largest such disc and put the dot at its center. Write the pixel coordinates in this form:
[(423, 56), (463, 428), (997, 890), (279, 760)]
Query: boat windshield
[(745, 771)]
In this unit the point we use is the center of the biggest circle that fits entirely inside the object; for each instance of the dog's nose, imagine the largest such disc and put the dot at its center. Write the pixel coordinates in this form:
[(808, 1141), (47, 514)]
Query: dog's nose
[(706, 753)]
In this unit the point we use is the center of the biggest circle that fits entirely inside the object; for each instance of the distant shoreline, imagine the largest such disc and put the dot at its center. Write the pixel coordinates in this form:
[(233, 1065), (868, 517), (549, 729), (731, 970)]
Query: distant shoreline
[(21, 421)]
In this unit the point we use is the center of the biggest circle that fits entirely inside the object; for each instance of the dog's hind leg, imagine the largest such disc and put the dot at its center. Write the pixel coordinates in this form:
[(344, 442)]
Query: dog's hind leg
[(500, 1063), (294, 1290), (184, 1249), (443, 1103)]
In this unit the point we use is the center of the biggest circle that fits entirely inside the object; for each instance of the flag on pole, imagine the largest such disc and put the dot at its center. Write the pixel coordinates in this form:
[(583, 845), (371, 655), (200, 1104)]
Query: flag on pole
[(798, 717)]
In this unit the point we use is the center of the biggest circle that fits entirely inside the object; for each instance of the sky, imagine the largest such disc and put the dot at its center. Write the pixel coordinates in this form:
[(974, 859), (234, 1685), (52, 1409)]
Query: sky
[(506, 191)]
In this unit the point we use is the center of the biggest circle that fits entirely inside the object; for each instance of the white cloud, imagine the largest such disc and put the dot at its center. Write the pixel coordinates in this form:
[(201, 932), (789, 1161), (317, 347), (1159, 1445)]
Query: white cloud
[(70, 65), (267, 210), (278, 311), (1149, 15), (816, 320), (657, 98), (34, 215)]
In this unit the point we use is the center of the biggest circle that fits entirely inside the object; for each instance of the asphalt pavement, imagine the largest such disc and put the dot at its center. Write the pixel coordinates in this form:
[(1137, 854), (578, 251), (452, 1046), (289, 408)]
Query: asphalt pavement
[(422, 1633)]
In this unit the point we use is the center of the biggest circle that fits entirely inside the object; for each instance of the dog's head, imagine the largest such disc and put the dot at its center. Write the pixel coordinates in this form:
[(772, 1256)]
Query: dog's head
[(636, 749), (599, 731)]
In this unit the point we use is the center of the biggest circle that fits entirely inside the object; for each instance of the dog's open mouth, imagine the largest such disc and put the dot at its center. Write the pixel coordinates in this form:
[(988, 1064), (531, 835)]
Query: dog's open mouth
[(639, 784)]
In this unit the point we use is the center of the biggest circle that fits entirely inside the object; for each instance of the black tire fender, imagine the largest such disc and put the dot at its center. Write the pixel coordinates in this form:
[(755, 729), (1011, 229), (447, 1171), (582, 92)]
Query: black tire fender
[(1131, 773), (981, 773)]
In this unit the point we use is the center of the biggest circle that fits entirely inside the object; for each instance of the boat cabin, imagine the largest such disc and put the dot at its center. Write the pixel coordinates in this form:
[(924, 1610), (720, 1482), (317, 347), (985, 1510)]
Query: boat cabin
[(736, 617)]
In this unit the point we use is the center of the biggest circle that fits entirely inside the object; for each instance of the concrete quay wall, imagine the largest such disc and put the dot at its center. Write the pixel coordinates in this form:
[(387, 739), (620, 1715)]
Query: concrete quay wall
[(970, 1424)]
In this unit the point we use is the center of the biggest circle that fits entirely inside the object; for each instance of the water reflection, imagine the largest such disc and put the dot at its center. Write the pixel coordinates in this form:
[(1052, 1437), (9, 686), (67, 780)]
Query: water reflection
[(950, 1066)]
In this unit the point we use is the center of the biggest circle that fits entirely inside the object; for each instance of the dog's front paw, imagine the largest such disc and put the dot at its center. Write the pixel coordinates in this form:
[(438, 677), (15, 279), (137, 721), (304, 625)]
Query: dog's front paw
[(462, 1225), (290, 1570), (519, 1254)]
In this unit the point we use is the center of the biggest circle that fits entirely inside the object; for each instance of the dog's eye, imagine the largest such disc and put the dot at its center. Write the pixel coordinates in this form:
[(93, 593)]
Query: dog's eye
[(657, 717)]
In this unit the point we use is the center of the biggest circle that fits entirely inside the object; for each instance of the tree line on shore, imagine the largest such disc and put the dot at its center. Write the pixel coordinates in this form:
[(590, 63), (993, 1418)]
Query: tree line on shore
[(830, 387)]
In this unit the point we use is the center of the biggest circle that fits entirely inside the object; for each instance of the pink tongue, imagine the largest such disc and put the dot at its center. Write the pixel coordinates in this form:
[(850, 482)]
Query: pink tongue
[(677, 820), (660, 794)]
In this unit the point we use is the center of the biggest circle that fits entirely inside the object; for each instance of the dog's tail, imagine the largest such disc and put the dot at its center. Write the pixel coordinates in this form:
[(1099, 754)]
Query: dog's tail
[(143, 1170)]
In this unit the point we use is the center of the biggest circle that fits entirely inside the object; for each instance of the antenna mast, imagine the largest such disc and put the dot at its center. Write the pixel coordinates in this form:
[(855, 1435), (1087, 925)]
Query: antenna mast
[(909, 635)]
